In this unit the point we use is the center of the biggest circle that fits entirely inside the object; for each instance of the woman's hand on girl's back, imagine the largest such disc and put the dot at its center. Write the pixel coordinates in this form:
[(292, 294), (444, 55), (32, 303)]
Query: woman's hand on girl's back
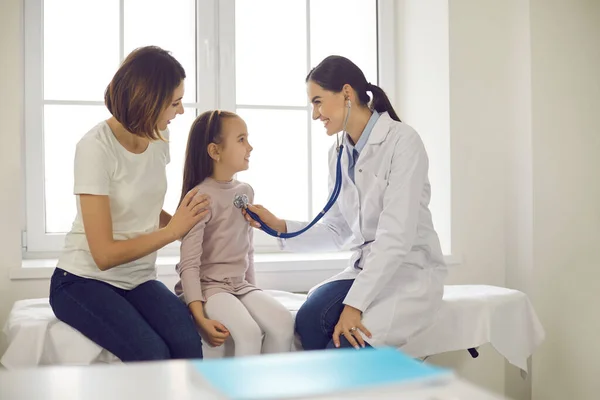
[(192, 209)]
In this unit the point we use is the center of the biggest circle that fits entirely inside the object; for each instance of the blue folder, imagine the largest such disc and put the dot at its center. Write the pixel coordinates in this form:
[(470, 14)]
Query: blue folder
[(312, 373)]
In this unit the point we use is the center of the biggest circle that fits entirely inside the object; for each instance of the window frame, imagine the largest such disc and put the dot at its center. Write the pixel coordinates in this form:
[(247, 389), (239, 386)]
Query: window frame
[(215, 75)]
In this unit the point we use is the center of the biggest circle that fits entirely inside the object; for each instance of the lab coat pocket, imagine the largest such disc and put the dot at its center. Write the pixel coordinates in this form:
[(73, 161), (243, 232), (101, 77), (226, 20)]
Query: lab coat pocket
[(374, 190), (380, 180), (409, 279)]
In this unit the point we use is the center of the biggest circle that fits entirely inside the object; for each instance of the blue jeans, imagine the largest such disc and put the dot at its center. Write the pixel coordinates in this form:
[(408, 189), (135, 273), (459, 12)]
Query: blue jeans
[(319, 315), (145, 323)]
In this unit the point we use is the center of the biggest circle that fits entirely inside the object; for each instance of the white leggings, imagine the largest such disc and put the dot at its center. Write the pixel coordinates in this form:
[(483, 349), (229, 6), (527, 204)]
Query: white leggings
[(250, 316)]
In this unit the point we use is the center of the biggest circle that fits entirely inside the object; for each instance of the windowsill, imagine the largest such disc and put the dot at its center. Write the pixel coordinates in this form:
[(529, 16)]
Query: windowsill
[(263, 263)]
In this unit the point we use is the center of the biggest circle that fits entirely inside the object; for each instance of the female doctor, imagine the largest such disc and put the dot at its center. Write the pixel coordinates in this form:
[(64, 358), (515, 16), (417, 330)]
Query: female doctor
[(393, 286)]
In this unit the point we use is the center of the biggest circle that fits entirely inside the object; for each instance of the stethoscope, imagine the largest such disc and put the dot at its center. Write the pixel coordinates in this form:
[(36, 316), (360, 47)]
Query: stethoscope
[(241, 200)]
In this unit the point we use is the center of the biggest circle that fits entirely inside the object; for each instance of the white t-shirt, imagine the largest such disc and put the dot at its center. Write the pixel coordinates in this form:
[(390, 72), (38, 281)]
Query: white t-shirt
[(135, 184)]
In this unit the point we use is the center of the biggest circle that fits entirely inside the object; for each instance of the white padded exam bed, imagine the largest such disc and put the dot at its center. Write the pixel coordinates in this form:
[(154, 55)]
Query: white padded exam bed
[(471, 316)]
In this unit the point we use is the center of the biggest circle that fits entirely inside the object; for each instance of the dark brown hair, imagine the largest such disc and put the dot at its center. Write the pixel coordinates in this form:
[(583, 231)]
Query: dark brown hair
[(198, 164), (142, 88), (335, 71)]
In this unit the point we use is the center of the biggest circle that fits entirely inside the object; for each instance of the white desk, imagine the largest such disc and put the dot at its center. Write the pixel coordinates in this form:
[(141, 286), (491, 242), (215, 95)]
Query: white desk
[(166, 380)]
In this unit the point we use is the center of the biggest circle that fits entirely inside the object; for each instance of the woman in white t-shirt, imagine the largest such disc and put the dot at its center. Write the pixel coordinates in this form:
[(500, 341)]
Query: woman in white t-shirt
[(105, 282)]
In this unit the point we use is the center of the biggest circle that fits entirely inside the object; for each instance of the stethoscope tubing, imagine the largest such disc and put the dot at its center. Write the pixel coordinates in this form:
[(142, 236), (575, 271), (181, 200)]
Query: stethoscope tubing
[(332, 198)]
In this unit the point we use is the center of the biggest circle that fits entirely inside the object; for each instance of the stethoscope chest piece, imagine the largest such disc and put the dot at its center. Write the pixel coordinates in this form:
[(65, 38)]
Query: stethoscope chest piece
[(240, 201)]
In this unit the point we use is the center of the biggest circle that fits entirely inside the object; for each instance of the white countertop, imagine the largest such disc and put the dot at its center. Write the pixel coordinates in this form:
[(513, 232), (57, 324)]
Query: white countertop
[(170, 380)]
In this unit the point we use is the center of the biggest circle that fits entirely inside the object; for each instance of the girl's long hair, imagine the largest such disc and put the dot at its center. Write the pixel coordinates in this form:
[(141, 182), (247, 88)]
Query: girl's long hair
[(198, 164)]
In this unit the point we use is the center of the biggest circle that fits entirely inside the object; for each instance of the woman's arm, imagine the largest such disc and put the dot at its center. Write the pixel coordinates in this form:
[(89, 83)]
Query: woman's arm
[(331, 233), (109, 253)]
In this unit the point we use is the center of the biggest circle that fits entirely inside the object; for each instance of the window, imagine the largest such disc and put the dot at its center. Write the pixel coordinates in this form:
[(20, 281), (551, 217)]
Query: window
[(271, 94), (66, 75), (249, 56)]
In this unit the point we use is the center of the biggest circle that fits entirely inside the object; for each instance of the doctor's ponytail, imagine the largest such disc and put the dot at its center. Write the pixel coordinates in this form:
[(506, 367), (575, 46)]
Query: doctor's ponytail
[(381, 103), (336, 71)]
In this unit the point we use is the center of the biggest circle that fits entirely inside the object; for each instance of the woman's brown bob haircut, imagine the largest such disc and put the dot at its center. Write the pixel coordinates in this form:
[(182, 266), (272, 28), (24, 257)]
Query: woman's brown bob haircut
[(142, 88)]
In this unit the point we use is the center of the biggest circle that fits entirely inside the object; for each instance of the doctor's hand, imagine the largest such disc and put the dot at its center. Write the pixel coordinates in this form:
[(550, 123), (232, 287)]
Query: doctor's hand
[(350, 325), (213, 331), (266, 216)]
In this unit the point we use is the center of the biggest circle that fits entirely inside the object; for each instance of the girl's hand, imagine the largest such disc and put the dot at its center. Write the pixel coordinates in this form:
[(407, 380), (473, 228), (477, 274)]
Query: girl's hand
[(266, 216), (213, 332)]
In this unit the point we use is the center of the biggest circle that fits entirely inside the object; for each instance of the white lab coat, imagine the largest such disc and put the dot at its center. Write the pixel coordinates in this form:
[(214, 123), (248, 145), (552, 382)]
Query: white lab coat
[(385, 219)]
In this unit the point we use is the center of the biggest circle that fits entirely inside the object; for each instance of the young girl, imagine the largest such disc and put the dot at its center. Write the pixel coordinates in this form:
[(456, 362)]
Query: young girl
[(217, 257)]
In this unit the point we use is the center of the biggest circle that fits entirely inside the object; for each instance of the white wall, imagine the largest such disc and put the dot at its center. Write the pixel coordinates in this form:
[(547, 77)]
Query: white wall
[(450, 80), (11, 185), (422, 90), (565, 41), (519, 189), (525, 80), (454, 59), (524, 89)]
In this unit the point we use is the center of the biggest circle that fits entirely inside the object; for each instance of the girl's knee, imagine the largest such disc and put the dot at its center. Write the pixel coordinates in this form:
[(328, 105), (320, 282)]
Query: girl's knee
[(279, 332), (249, 331), (247, 339), (282, 324)]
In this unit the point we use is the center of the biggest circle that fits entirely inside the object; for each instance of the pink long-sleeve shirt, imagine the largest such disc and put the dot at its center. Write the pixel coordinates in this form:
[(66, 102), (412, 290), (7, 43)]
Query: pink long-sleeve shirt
[(217, 254)]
